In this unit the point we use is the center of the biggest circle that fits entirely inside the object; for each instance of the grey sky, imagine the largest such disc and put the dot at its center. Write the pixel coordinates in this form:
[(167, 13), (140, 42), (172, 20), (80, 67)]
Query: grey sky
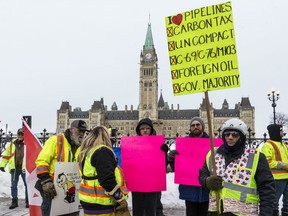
[(79, 51)]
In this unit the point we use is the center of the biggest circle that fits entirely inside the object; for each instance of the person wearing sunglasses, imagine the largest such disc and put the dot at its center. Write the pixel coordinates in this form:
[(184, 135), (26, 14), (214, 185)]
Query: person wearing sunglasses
[(196, 197), (243, 182), (276, 153)]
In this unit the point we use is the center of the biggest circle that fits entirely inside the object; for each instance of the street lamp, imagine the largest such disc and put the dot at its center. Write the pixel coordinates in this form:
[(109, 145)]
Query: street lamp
[(219, 132), (44, 134), (273, 96)]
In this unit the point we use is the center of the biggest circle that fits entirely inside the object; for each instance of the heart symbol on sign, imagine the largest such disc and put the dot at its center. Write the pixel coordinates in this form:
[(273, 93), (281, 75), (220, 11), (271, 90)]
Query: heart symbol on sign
[(177, 19)]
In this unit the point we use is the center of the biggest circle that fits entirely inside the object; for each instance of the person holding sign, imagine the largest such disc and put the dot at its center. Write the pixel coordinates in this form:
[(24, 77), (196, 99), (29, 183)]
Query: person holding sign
[(103, 188), (147, 203), (244, 184), (196, 198), (277, 155), (58, 148)]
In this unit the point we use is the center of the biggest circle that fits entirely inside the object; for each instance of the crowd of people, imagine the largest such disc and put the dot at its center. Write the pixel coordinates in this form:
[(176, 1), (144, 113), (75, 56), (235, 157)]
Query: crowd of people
[(234, 179)]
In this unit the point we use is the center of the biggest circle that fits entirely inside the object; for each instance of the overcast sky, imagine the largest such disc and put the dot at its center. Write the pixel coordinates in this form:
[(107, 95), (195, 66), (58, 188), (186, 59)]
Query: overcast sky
[(79, 51)]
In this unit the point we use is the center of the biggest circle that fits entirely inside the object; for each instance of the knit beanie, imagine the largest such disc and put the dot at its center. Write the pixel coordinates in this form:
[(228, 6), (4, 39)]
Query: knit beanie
[(196, 118), (274, 132)]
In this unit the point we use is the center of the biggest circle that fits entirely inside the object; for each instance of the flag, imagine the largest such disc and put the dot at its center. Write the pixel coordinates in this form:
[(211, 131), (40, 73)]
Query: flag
[(33, 148)]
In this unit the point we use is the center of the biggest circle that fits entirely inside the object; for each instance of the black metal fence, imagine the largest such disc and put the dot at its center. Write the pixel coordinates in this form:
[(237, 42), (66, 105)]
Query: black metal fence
[(252, 141), (7, 138)]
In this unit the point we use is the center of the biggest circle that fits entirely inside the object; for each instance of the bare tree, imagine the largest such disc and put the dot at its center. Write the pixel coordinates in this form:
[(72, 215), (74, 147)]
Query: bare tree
[(281, 118)]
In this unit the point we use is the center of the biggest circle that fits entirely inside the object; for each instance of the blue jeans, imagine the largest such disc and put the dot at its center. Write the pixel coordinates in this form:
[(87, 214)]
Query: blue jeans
[(15, 173), (281, 188)]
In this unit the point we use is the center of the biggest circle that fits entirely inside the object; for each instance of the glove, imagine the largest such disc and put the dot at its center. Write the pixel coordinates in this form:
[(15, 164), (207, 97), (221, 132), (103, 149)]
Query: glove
[(171, 155), (121, 203), (164, 148), (48, 188), (122, 208), (2, 169), (214, 183)]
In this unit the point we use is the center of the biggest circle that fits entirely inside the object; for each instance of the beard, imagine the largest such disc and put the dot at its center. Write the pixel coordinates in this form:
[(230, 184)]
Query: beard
[(76, 139), (197, 132)]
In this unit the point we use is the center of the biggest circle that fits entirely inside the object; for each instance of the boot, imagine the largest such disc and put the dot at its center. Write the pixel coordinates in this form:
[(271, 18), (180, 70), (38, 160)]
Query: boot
[(275, 213), (27, 203), (14, 204)]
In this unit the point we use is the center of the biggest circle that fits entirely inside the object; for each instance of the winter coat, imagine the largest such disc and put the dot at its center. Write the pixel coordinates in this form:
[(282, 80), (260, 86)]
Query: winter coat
[(13, 150), (50, 153)]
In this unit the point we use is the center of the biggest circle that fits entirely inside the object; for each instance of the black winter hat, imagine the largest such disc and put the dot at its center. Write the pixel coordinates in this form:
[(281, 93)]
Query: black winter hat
[(274, 132), (146, 121)]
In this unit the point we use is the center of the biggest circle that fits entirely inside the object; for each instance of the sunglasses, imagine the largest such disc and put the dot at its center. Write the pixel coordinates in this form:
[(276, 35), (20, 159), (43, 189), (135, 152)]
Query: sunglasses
[(194, 125), (234, 134)]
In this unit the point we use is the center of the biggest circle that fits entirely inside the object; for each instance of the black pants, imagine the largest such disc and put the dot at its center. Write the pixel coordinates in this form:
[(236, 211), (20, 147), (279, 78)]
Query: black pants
[(159, 208), (196, 208), (144, 203)]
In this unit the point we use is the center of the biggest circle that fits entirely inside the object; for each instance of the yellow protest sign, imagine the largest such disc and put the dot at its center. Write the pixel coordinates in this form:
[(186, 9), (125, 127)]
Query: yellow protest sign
[(202, 49)]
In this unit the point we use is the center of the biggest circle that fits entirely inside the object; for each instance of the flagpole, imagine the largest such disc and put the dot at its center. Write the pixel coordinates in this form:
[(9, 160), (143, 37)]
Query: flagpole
[(211, 144)]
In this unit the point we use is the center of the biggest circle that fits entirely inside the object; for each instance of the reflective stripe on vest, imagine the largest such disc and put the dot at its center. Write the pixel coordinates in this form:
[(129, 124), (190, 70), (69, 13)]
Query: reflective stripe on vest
[(277, 155), (61, 154), (243, 190), (277, 152)]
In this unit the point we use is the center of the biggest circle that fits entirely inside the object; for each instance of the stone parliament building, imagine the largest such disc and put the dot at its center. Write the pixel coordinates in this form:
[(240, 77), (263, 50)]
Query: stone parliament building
[(170, 121)]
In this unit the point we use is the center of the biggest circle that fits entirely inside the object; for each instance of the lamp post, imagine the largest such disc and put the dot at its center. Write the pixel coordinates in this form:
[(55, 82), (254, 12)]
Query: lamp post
[(44, 134), (273, 96), (219, 132), (2, 144), (10, 135)]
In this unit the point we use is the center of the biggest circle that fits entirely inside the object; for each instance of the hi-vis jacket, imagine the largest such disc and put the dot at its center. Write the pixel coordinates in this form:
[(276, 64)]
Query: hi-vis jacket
[(90, 190), (276, 152), (239, 194), (56, 149), (8, 157)]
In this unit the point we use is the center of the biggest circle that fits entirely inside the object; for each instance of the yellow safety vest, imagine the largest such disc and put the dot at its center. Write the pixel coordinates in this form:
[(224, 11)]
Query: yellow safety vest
[(90, 190), (239, 194), (8, 157), (276, 152), (56, 149)]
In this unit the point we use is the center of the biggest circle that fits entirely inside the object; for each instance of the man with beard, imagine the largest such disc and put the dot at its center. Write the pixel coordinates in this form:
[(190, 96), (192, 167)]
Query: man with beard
[(13, 156), (58, 148), (196, 197)]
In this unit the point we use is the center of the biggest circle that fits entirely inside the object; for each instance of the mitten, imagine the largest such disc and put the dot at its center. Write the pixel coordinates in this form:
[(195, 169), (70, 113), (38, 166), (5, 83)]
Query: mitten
[(214, 183), (171, 155), (164, 148), (122, 209), (48, 188), (2, 169)]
